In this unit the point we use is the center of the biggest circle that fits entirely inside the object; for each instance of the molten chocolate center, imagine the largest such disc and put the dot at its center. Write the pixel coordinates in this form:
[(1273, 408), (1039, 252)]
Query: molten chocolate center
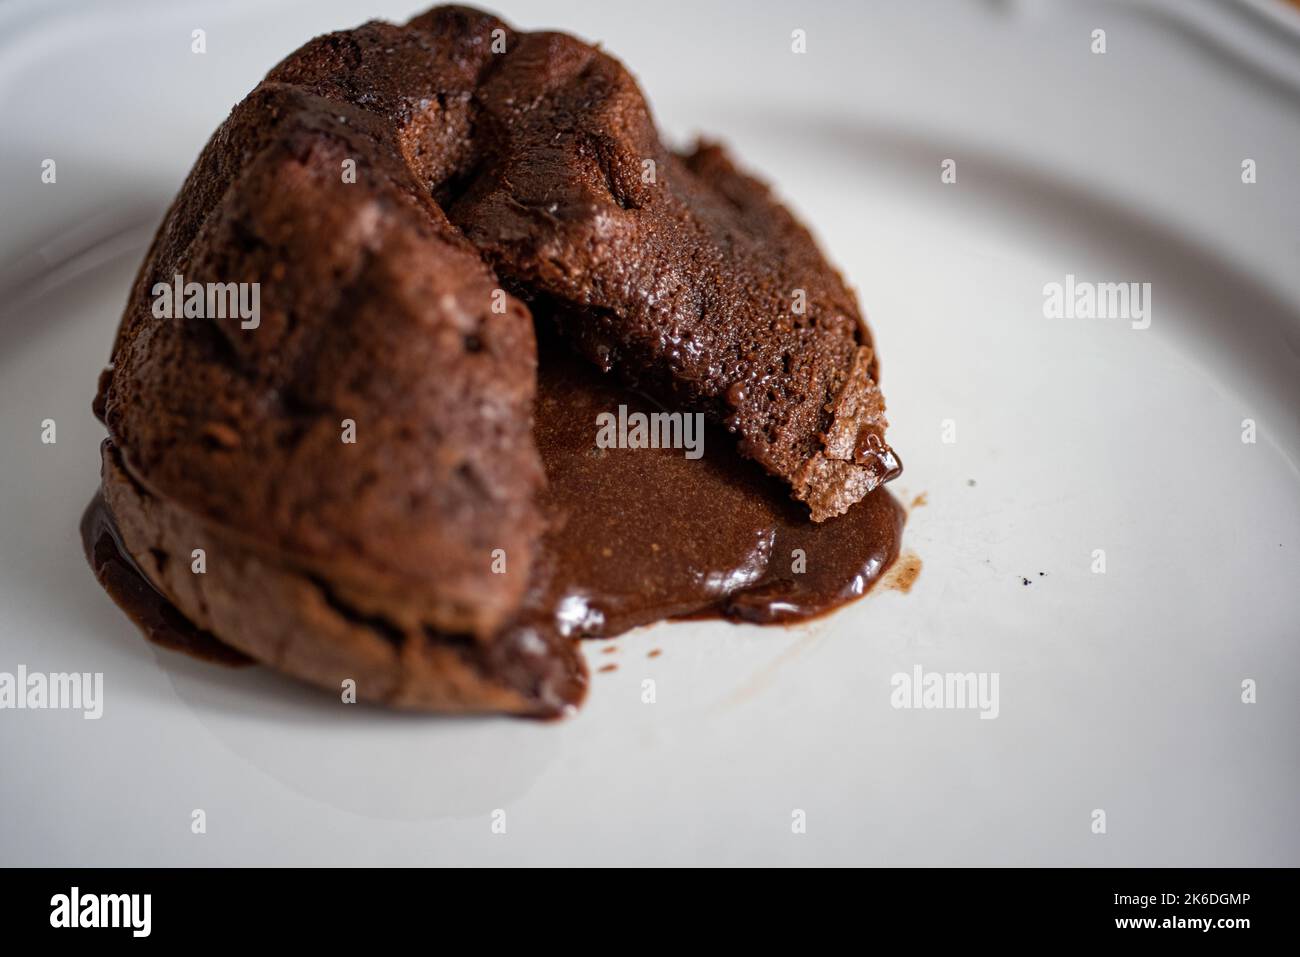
[(636, 535)]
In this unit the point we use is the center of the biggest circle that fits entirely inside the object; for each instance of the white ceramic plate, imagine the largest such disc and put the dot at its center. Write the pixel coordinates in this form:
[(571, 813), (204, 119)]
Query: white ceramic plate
[(1119, 692)]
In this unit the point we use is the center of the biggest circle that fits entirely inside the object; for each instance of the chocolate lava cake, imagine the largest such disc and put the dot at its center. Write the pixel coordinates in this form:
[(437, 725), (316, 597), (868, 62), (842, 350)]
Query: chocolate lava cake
[(468, 243)]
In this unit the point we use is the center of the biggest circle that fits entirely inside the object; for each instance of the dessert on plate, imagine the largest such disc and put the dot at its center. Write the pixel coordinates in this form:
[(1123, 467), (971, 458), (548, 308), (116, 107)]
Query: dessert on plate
[(464, 246)]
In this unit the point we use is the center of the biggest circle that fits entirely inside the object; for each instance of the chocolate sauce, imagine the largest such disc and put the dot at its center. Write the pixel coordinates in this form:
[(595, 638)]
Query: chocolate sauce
[(642, 534), (155, 615), (636, 535), (903, 573)]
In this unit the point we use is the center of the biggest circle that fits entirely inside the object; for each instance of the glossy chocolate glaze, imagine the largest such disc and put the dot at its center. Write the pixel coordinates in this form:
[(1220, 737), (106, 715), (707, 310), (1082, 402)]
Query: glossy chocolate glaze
[(635, 536)]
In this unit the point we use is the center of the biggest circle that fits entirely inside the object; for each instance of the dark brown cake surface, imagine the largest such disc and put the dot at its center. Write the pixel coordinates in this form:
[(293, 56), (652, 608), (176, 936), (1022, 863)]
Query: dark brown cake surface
[(681, 272), (374, 313), (362, 452)]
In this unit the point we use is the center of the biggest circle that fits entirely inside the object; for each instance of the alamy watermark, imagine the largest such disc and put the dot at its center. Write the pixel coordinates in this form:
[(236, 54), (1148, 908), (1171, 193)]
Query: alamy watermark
[(212, 300), (60, 691), (656, 430), (76, 909), (1080, 299), (946, 690)]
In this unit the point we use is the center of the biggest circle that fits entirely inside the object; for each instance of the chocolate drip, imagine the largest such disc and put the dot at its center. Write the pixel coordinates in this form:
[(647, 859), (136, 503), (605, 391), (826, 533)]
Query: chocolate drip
[(636, 535), (155, 615)]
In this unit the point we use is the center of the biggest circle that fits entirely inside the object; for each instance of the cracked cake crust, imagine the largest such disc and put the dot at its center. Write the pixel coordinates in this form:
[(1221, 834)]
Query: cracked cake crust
[(396, 301)]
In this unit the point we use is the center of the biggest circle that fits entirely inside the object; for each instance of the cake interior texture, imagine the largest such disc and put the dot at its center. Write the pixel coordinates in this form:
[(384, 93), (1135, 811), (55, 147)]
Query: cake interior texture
[(467, 247)]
